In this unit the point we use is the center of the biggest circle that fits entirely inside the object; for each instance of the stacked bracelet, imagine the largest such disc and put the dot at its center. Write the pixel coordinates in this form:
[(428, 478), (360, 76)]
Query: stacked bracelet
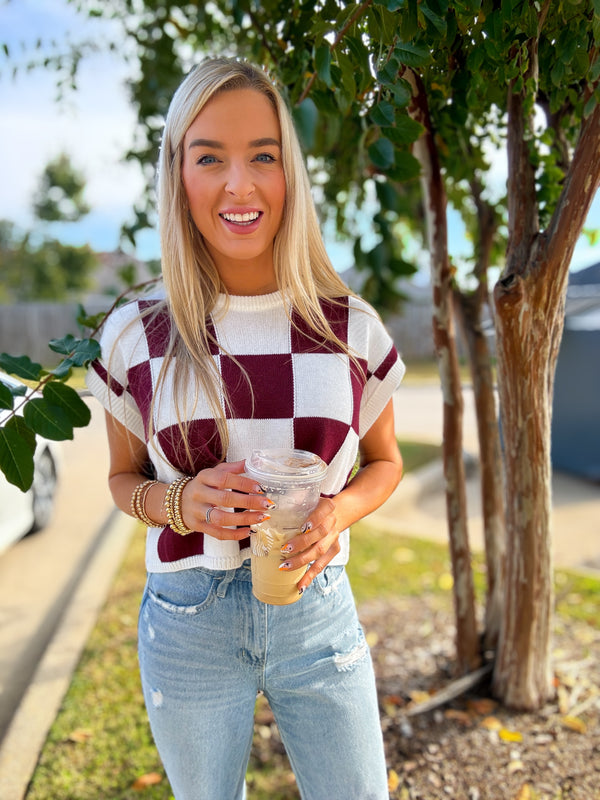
[(173, 506), (138, 503)]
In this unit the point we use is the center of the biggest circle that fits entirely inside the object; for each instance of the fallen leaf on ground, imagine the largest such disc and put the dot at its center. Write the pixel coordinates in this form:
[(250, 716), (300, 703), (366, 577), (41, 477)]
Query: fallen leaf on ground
[(80, 735), (524, 793), (393, 780), (510, 736), (419, 697), (149, 779), (460, 716), (491, 723), (574, 724), (482, 705)]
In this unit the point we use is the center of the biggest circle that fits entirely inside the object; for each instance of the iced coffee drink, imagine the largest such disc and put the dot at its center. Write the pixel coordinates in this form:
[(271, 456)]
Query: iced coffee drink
[(292, 480)]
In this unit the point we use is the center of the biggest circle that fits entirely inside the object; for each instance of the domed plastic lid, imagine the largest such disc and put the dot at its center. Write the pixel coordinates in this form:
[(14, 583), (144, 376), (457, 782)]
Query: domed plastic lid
[(286, 464)]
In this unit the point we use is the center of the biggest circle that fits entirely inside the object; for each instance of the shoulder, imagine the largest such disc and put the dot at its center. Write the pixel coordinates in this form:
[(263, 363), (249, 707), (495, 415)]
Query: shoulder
[(124, 315)]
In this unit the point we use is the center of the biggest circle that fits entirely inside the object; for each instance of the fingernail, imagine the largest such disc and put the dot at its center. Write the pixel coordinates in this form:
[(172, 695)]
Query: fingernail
[(301, 591), (268, 503), (263, 517), (287, 548), (258, 489), (285, 565), (306, 527)]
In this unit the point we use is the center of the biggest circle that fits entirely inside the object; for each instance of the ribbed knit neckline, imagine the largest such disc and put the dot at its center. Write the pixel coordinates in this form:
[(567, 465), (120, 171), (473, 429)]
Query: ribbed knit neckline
[(248, 303)]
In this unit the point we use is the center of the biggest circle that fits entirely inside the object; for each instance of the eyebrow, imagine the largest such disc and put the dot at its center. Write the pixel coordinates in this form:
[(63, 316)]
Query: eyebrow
[(212, 143)]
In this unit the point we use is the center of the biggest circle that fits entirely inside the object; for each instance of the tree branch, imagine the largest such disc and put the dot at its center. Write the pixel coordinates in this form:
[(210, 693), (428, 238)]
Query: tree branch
[(340, 35)]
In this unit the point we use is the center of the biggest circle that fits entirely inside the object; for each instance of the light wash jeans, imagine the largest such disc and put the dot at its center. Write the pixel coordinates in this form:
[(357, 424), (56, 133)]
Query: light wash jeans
[(207, 646)]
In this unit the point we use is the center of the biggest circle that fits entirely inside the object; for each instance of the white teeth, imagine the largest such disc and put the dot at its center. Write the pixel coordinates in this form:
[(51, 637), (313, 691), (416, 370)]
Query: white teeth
[(241, 218)]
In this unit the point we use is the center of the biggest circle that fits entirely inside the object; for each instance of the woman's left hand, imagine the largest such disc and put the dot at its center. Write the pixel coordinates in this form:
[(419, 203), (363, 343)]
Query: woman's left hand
[(319, 544)]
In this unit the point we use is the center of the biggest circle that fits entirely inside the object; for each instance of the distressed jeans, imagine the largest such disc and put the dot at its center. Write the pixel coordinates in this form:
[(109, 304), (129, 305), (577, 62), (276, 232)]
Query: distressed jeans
[(207, 646)]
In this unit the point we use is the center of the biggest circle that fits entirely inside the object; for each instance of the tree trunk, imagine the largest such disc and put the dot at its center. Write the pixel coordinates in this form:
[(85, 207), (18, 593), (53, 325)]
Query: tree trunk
[(522, 676), (529, 321), (492, 494), (470, 308), (467, 642)]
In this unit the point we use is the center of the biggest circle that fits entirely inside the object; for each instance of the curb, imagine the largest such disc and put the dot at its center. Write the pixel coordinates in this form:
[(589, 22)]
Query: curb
[(40, 704)]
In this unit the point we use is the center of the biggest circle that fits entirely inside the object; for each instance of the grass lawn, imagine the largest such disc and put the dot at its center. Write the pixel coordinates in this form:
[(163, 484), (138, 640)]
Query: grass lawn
[(100, 745)]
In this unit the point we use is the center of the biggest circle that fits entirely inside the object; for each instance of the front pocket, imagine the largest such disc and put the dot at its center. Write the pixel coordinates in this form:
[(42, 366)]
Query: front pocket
[(187, 592), (332, 579)]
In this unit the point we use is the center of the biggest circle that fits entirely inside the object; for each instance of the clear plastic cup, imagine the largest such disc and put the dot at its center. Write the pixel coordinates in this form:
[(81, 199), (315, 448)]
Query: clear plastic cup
[(292, 479)]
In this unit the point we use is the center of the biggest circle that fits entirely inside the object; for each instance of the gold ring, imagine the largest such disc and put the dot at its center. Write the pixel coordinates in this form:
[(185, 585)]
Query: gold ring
[(208, 510)]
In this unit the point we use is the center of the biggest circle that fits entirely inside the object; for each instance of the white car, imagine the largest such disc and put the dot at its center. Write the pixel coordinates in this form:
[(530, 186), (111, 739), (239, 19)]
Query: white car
[(25, 512)]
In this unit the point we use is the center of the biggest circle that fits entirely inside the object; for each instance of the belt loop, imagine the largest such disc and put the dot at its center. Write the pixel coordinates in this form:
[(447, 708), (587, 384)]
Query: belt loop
[(224, 583)]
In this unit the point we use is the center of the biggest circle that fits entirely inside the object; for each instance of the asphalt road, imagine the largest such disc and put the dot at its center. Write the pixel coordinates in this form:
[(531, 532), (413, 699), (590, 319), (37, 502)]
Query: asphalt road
[(39, 574)]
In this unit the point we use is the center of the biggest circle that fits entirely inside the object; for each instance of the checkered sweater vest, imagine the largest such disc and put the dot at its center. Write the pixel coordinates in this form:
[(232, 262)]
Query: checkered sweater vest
[(303, 395)]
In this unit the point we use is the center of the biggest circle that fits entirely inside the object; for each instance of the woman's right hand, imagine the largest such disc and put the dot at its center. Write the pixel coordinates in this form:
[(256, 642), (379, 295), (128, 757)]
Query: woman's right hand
[(212, 490)]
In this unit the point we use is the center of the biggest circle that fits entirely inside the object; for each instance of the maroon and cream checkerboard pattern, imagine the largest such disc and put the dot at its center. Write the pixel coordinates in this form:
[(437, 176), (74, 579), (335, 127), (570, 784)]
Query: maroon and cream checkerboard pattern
[(302, 395)]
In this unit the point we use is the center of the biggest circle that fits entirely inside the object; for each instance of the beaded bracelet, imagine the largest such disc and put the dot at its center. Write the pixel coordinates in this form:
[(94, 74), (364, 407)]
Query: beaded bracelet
[(173, 506), (138, 503)]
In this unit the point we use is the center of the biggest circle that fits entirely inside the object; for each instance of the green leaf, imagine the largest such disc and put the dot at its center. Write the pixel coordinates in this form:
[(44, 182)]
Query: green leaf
[(59, 394), (406, 167), (16, 458), (80, 351), (21, 366), (306, 117), (388, 74), (64, 345), (402, 93), (381, 153), (48, 420), (383, 114), (323, 63), (64, 370), (405, 131), (6, 396), (412, 55), (438, 23), (91, 321), (18, 424)]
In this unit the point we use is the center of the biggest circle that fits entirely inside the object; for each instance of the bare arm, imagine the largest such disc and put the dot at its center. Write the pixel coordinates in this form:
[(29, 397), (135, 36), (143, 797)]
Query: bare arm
[(379, 474)]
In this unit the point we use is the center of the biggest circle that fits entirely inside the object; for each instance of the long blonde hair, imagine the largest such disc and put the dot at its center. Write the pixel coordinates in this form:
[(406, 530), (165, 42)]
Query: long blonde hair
[(303, 271)]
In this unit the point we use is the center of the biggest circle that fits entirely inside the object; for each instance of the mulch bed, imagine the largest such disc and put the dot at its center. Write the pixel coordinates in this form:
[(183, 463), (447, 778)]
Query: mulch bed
[(472, 748)]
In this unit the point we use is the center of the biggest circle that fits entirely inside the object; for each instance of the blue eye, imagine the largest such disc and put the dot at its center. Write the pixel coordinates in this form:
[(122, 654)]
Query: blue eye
[(265, 158), (207, 160)]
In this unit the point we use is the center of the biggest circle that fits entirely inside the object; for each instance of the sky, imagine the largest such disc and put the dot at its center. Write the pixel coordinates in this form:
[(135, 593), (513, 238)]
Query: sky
[(95, 127)]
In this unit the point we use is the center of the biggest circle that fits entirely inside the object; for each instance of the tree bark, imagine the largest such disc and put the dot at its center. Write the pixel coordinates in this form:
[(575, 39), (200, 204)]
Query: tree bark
[(529, 301), (492, 494), (467, 641), (470, 307)]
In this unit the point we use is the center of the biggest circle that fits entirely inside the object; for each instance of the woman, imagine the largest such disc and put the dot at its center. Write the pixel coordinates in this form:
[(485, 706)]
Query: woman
[(256, 343)]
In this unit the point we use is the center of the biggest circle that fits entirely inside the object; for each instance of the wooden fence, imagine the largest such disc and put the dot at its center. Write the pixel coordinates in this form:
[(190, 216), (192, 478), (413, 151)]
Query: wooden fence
[(26, 328)]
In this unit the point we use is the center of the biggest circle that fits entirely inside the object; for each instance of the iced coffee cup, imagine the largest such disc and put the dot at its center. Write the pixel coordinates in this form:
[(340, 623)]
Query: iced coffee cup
[(292, 480)]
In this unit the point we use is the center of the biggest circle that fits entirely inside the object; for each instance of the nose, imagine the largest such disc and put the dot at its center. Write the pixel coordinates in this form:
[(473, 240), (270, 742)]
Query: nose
[(239, 182)]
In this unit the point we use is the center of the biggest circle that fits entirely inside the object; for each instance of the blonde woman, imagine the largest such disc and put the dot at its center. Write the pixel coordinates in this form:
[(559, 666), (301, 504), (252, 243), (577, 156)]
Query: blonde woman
[(254, 342)]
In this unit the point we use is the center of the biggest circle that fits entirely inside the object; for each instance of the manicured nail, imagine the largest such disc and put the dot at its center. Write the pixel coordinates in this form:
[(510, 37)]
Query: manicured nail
[(287, 548), (258, 489), (263, 517), (285, 565), (306, 527), (268, 503), (301, 591)]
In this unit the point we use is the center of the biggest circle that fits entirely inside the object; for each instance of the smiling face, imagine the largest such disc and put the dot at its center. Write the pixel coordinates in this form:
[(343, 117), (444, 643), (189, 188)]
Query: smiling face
[(233, 177)]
